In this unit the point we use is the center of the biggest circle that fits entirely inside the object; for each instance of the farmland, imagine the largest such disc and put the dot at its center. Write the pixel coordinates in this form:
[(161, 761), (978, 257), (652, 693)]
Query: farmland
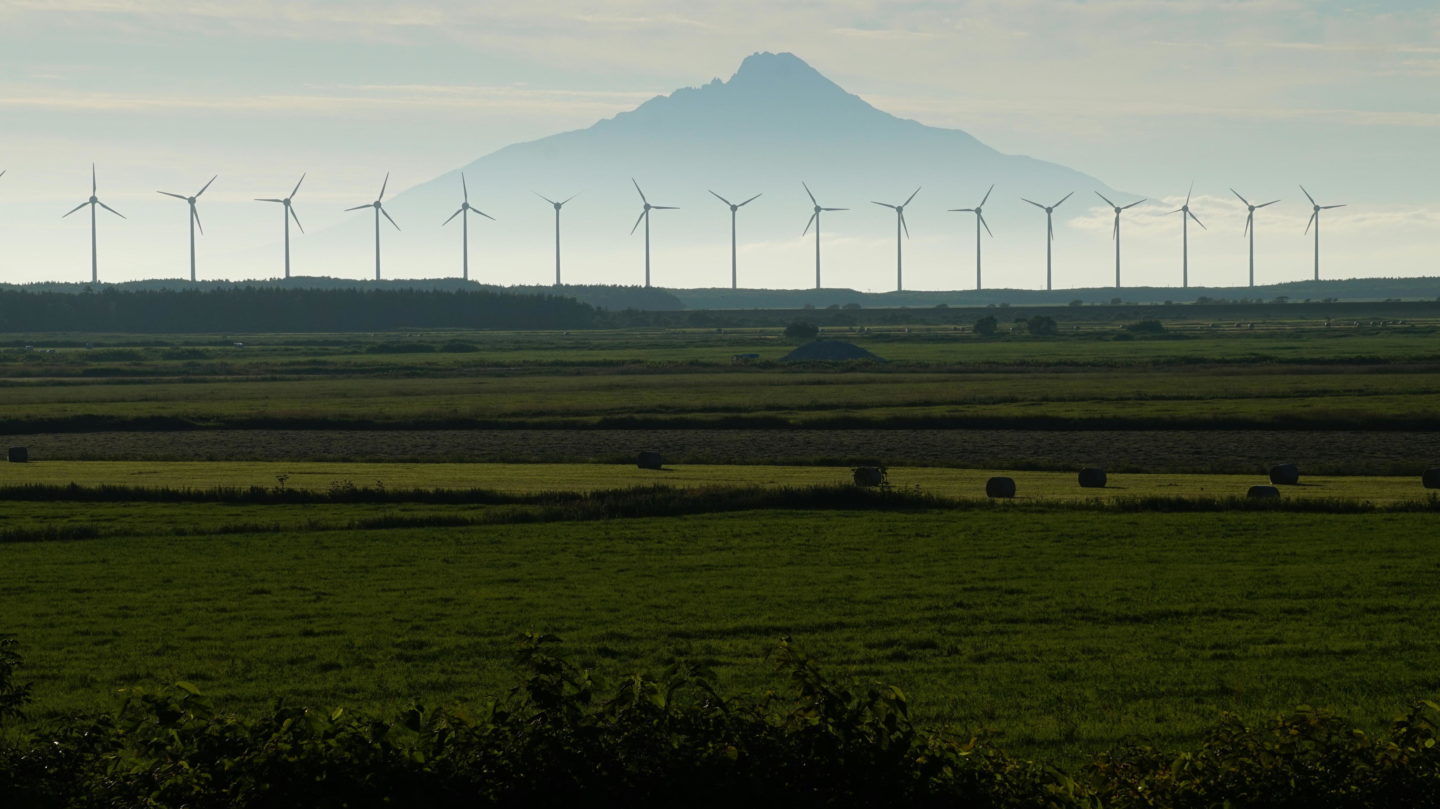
[(369, 519)]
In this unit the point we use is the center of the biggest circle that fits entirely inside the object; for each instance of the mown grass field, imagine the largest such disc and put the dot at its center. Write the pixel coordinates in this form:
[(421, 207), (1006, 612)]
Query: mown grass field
[(1059, 631)]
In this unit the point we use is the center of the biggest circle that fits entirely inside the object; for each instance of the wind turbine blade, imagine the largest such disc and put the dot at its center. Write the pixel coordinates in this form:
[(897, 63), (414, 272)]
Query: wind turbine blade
[(1249, 220), (482, 213), (452, 216), (1177, 210), (834, 209), (383, 186), (1328, 207), (1131, 205), (961, 210), (1062, 199), (108, 208), (886, 204), (1197, 220), (637, 221), (94, 187), (638, 191), (358, 207), (813, 217), (904, 226), (983, 222), (2, 172), (195, 214), (463, 187), (1313, 217), (748, 201), (176, 196), (207, 185), (572, 196), (986, 197), (1115, 233), (912, 196), (297, 220), (1107, 199), (76, 208), (542, 196), (807, 191), (717, 196), (1307, 195), (1033, 202), (259, 199), (1050, 228), (297, 185), (1188, 193), (1242, 199), (387, 216), (664, 208), (1271, 202)]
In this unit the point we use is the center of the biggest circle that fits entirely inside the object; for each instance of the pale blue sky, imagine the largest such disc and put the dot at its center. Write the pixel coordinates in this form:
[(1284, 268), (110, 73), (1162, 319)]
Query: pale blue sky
[(1144, 94)]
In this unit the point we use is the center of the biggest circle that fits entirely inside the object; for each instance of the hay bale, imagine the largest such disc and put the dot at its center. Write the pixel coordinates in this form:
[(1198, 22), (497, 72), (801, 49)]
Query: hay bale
[(649, 459), (1431, 478), (870, 476), (1263, 492), (1000, 487), (18, 454), (1285, 474), (1092, 478)]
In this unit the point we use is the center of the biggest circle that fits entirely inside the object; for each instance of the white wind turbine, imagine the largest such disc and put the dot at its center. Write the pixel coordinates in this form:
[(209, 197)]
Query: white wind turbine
[(734, 208), (1185, 216), (379, 209), (899, 226), (1250, 228), (194, 220), (645, 215), (288, 213), (1315, 220), (558, 206), (979, 220), (464, 213), (1116, 234), (815, 220), (1049, 231), (92, 202)]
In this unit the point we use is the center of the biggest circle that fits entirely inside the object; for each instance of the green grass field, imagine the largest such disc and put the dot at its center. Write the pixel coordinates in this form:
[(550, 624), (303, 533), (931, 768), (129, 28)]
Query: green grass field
[(1062, 632)]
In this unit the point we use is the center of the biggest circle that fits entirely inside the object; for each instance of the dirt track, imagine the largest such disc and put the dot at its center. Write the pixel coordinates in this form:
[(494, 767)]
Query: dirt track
[(1350, 452)]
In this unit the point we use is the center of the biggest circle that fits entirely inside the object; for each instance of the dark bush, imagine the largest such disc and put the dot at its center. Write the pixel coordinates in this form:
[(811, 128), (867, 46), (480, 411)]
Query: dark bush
[(986, 326), (1145, 327), (800, 330), (1042, 326)]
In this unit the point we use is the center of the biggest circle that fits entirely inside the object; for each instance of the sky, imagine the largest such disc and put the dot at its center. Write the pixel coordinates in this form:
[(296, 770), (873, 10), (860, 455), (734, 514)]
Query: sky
[(1147, 95)]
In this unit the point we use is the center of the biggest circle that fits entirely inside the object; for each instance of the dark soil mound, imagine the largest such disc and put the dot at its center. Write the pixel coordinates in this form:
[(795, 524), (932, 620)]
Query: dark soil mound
[(829, 351)]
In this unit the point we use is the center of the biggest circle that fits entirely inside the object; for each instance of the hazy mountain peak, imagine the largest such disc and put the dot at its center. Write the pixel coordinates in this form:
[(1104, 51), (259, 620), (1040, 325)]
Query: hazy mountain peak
[(769, 68)]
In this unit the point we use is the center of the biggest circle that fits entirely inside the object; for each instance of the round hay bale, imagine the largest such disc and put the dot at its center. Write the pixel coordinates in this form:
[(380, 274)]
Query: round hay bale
[(18, 454), (1285, 474), (1092, 478), (1260, 492), (1431, 478), (870, 476), (1000, 487), (649, 459)]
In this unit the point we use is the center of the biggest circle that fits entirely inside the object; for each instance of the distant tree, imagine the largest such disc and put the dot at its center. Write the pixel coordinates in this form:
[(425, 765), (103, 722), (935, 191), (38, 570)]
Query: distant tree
[(800, 330), (1042, 326), (986, 326), (1145, 327)]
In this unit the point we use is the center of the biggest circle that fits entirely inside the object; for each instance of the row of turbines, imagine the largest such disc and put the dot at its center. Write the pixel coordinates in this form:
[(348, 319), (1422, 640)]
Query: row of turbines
[(902, 229)]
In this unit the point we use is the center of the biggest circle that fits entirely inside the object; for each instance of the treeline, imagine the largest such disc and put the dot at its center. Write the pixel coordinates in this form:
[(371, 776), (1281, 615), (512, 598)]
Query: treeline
[(251, 309), (566, 738)]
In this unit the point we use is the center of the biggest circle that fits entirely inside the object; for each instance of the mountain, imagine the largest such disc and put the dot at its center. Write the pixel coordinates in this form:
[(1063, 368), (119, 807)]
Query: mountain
[(775, 122)]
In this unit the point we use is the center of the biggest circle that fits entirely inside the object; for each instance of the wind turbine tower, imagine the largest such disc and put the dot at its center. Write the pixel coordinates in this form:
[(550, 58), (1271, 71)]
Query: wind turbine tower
[(734, 208), (1315, 220), (815, 220), (194, 220), (1250, 228), (1185, 216), (1049, 233), (979, 220), (558, 206), (379, 207), (92, 202), (287, 213), (1116, 234), (464, 213), (899, 226), (645, 215)]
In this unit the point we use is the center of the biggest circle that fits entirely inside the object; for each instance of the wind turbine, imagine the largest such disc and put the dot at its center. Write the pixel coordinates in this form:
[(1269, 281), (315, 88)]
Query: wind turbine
[(92, 202), (379, 209), (1049, 231), (287, 214), (558, 206), (645, 215), (815, 220), (899, 225), (464, 213), (1314, 220), (734, 207), (1116, 234), (1250, 228), (979, 220), (1185, 216), (194, 220)]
